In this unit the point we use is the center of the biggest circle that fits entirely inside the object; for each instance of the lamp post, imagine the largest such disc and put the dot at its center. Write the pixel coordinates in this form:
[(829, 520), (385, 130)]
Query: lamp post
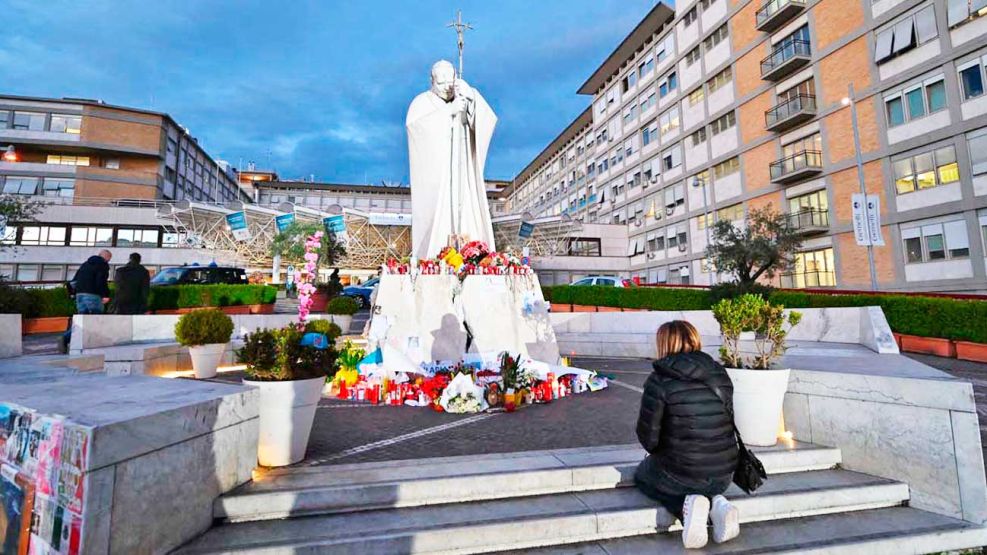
[(851, 101), (706, 221)]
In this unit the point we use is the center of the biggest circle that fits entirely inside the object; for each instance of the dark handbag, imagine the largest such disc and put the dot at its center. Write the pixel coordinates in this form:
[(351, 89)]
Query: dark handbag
[(749, 474)]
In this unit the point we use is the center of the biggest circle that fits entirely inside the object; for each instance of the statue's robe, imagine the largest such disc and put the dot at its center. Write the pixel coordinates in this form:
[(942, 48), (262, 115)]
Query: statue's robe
[(447, 156)]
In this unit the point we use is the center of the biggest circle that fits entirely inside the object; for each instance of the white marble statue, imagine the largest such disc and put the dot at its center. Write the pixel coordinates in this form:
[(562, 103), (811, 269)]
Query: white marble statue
[(449, 129)]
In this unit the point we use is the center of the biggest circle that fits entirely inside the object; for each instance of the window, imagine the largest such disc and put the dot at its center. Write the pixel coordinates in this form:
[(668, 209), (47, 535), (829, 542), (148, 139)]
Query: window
[(696, 96), (812, 143), (668, 85), (9, 237), (647, 135), (583, 246), (15, 185), (916, 101), (720, 79), (962, 10), (4, 119), (926, 170), (67, 160), (971, 79), (42, 236), (816, 201), (726, 167), (665, 48), (977, 142), (111, 163), (62, 123), (29, 121), (690, 16), (812, 269), (722, 123), (669, 121), (929, 243), (693, 56), (91, 237), (671, 158), (127, 237), (675, 196), (698, 137), (646, 67), (914, 29), (27, 272), (59, 187), (716, 38), (732, 213)]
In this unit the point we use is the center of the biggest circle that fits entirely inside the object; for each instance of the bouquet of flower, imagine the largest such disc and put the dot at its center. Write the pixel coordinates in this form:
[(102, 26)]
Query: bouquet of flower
[(525, 380), (451, 256), (428, 267), (434, 386), (509, 369), (475, 251), (461, 404), (462, 395)]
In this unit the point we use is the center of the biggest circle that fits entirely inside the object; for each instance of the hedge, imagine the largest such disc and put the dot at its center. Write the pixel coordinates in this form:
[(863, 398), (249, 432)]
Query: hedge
[(961, 320), (56, 301)]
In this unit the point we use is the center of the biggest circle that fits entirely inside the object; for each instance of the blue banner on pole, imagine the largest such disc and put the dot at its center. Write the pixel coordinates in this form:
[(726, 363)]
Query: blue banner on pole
[(526, 230), (335, 224), (237, 221), (283, 221)]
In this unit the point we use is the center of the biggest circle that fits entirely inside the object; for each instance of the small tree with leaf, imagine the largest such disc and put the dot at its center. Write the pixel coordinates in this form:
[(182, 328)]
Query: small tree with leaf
[(17, 209), (763, 246), (290, 244)]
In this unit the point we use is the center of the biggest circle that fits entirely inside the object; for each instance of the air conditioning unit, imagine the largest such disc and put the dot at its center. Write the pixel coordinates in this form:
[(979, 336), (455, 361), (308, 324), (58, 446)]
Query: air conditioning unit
[(638, 223), (651, 256), (669, 210), (683, 247), (654, 179), (613, 200)]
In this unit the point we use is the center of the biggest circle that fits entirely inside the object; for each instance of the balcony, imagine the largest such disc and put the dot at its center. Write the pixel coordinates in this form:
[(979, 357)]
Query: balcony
[(790, 113), (775, 13), (787, 57), (799, 280), (801, 165), (810, 221)]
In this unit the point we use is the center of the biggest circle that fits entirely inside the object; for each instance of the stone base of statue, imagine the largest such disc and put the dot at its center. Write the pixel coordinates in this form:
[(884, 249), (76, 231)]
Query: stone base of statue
[(433, 317)]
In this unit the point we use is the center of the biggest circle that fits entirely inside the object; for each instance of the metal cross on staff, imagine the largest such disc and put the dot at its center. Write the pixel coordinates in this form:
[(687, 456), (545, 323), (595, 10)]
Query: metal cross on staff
[(460, 28)]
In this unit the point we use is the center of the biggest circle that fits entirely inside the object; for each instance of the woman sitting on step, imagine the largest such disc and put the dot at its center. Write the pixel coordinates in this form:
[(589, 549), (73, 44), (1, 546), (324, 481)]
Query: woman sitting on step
[(689, 436)]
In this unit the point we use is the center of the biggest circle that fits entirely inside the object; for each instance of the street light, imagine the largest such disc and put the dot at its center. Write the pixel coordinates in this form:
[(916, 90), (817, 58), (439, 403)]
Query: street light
[(850, 100), (701, 180), (10, 155)]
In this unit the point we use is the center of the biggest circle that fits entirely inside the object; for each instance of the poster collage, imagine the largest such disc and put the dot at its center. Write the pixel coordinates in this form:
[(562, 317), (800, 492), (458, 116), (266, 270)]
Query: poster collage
[(42, 482)]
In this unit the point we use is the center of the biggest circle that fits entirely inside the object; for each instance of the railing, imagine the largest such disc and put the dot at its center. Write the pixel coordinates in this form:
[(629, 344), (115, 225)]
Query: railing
[(800, 280), (809, 218), (800, 103), (802, 160), (784, 52), (771, 7)]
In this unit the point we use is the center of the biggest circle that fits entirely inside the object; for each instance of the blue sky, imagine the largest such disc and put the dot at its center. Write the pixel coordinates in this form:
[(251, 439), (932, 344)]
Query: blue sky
[(315, 87)]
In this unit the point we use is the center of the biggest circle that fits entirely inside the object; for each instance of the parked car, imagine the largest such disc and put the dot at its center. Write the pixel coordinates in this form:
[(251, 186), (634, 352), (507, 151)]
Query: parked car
[(361, 293), (199, 275), (605, 281)]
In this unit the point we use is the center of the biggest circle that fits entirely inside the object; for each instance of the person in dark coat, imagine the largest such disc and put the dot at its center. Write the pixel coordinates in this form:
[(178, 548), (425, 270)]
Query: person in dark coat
[(689, 436), (91, 289), (133, 286)]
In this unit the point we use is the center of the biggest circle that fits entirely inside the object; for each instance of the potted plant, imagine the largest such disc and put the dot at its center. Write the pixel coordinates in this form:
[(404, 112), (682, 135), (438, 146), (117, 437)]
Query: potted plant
[(758, 389), (290, 366), (206, 333)]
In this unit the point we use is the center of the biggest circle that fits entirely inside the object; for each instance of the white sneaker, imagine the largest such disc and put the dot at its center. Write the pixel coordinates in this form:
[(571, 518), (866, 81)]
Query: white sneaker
[(695, 514), (726, 520)]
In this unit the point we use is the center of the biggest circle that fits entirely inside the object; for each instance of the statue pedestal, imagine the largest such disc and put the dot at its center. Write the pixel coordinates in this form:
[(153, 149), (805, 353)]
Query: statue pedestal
[(424, 317)]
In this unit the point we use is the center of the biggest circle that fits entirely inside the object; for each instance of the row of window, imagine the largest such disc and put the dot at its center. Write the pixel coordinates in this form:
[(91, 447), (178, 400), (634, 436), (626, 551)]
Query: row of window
[(40, 121), (48, 186), (92, 236)]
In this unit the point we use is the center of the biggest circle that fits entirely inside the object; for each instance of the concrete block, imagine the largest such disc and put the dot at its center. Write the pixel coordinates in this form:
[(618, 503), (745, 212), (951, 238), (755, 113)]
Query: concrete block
[(970, 466), (10, 335)]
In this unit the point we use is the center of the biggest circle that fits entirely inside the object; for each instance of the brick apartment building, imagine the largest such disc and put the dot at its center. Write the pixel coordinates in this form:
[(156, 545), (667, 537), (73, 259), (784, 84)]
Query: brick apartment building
[(738, 104)]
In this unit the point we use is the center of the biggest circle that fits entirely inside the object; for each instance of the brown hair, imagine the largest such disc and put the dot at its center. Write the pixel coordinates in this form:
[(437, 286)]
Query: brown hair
[(677, 336)]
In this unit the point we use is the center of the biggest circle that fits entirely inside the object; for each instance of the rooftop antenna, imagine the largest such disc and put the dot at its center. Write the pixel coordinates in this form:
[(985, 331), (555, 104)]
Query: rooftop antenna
[(460, 28)]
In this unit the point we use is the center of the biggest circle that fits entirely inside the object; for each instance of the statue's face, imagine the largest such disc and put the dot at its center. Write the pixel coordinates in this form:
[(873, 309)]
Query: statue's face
[(444, 81)]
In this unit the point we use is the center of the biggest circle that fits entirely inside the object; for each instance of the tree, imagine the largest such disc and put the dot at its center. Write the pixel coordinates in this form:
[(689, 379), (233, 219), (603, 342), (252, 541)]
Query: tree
[(290, 244), (17, 209), (763, 246)]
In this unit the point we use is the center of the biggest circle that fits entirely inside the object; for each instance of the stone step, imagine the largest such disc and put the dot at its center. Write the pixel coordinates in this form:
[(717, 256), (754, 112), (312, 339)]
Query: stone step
[(891, 531), (543, 520), (342, 488)]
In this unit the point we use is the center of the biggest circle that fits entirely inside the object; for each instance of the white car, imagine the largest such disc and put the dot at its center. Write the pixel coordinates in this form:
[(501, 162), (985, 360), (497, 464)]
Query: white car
[(604, 281)]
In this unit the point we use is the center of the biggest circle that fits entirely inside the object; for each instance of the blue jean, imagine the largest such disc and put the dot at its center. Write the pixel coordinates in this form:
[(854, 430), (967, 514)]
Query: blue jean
[(85, 303)]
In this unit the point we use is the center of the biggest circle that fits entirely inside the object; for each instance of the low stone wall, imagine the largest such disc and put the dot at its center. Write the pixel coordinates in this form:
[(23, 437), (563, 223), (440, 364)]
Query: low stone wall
[(10, 335), (922, 431), (150, 455), (93, 331), (631, 334)]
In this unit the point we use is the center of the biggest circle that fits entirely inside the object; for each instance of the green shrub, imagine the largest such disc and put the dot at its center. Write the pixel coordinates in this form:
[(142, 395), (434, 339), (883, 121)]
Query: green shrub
[(342, 305), (732, 290), (52, 302), (204, 327), (651, 298), (326, 327), (15, 300), (277, 355), (192, 296)]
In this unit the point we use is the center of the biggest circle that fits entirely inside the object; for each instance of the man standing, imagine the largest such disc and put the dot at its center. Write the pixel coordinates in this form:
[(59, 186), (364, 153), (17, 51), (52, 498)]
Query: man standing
[(133, 286), (91, 289)]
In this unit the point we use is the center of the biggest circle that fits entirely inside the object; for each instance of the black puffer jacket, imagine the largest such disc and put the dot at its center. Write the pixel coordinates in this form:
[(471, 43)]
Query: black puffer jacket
[(683, 424), (92, 277)]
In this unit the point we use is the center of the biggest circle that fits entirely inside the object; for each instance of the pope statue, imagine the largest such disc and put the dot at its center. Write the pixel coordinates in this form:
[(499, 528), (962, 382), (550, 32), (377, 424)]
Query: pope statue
[(449, 129)]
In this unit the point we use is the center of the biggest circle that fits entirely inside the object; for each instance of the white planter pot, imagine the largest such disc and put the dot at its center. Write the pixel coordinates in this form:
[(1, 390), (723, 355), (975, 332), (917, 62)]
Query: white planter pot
[(758, 398), (206, 358), (287, 410)]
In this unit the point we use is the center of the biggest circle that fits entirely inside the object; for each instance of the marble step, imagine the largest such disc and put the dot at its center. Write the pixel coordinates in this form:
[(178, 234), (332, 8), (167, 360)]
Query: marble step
[(341, 488), (890, 531), (543, 520)]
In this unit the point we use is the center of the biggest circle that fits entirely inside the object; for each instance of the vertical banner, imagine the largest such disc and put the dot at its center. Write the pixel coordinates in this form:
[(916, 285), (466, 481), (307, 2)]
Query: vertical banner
[(526, 230), (283, 221), (237, 221), (860, 231), (874, 220)]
